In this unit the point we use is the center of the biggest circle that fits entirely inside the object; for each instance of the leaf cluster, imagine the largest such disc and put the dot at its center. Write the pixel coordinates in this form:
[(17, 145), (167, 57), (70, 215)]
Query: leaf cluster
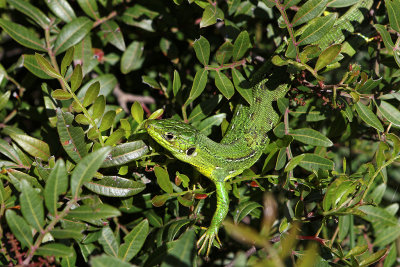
[(83, 184)]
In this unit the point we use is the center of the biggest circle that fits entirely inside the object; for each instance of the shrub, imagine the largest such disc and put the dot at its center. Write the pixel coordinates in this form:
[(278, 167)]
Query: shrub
[(83, 183)]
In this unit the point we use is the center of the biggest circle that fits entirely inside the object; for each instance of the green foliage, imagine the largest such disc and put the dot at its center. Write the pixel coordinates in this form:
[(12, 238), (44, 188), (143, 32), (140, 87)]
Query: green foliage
[(83, 184)]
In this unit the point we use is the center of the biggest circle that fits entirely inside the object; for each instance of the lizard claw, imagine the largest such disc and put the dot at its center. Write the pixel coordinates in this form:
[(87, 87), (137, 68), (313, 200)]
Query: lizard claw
[(207, 239)]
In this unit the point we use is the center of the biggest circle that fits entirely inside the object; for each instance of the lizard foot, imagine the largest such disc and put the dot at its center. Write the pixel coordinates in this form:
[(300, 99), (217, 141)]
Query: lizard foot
[(207, 239)]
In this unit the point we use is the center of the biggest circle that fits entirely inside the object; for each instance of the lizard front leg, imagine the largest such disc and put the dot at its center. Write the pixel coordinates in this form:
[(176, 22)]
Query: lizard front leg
[(220, 213)]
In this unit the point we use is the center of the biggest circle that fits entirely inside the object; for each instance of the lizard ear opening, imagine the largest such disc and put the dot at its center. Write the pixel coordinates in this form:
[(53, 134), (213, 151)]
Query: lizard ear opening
[(169, 136), (191, 151)]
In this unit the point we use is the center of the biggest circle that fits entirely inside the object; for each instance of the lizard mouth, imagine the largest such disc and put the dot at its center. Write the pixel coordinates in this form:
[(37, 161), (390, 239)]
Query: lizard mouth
[(157, 133)]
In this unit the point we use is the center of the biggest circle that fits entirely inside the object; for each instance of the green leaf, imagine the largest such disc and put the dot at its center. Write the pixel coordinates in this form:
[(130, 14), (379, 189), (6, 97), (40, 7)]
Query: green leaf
[(387, 40), (327, 56), (137, 112), (76, 78), (373, 258), (311, 9), (67, 60), (90, 8), (206, 125), (98, 107), (391, 113), (224, 53), (244, 209), (22, 35), (163, 179), (89, 57), (108, 241), (317, 29), (210, 15), (68, 233), (309, 52), (46, 66), (396, 142), (32, 206), (281, 159), (342, 3), (100, 211), (156, 114), (111, 32), (33, 66), (72, 137), (393, 9), (176, 84), (19, 228), (369, 85), (35, 147), (82, 119), (241, 45), (56, 250), (117, 136), (107, 261), (134, 241), (387, 236), (160, 200), (180, 254), (294, 162), (56, 184), (72, 33), (91, 94), (132, 59), (114, 186), (60, 94), (9, 152), (202, 48), (204, 109), (31, 11), (311, 137), (240, 84), (125, 153), (62, 9), (151, 82), (176, 227), (16, 177), (199, 83), (312, 162), (379, 216), (107, 121), (86, 168), (224, 85), (368, 116)]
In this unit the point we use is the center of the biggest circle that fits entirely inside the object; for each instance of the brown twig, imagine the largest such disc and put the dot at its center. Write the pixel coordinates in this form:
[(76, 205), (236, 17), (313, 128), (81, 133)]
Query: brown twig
[(125, 98)]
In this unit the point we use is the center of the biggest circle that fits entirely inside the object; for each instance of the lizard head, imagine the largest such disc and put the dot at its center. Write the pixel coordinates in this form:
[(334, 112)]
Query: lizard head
[(177, 137)]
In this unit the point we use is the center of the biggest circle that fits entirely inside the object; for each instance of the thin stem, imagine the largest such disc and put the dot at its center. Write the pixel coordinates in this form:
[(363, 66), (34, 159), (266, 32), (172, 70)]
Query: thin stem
[(289, 27), (49, 227), (51, 54), (387, 163), (184, 115), (352, 235), (227, 66), (288, 150), (66, 87), (102, 20), (84, 110)]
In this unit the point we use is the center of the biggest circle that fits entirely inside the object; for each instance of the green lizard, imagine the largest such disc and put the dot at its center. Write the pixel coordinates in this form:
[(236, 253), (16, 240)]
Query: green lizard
[(240, 148), (244, 140)]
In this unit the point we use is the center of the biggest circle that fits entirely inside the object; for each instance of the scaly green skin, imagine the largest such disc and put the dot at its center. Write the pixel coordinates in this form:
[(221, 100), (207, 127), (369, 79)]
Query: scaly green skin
[(241, 147)]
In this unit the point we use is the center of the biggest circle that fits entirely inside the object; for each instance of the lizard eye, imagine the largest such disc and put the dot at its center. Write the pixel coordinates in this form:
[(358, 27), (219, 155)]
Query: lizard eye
[(169, 136), (191, 151)]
